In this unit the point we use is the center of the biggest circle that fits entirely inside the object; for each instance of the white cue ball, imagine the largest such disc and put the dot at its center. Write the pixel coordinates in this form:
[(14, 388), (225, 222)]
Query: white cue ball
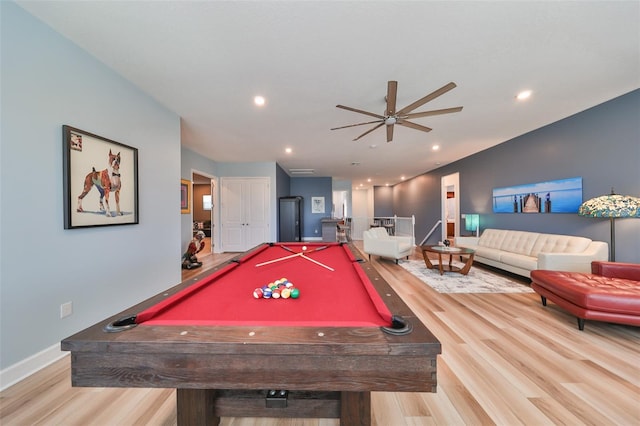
[(304, 248)]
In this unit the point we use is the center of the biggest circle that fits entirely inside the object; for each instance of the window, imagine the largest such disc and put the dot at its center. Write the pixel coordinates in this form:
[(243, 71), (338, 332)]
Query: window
[(206, 202)]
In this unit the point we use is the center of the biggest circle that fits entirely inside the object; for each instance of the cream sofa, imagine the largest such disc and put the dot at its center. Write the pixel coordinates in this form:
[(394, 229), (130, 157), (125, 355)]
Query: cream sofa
[(521, 252), (379, 243)]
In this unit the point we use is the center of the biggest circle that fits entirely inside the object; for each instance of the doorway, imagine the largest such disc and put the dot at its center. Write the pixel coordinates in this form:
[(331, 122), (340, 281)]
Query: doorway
[(450, 202), (203, 216), (340, 207)]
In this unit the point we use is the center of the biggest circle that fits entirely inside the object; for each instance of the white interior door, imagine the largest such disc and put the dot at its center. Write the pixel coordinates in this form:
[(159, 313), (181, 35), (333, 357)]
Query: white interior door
[(256, 211), (244, 213), (231, 216), (450, 183)]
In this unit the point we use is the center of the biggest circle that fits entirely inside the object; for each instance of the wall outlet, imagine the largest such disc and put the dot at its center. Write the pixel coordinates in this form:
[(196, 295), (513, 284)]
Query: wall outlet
[(66, 309), (315, 231)]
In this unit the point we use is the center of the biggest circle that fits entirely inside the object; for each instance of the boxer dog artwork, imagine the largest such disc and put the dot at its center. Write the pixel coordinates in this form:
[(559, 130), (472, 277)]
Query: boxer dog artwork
[(106, 181)]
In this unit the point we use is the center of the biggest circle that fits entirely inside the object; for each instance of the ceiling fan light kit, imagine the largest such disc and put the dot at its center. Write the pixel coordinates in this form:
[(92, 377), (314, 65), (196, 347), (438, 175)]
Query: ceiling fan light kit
[(393, 117)]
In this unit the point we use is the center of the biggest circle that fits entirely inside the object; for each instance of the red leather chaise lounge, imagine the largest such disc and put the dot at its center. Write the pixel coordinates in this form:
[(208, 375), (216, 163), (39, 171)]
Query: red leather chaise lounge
[(611, 293)]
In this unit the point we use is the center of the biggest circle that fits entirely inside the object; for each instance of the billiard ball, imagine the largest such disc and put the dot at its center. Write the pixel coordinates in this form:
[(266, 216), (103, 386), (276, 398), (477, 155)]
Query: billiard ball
[(257, 293), (267, 294), (295, 293), (285, 293), (304, 248)]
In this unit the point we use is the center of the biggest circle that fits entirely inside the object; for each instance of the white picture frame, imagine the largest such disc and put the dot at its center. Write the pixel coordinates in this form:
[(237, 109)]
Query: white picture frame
[(317, 204)]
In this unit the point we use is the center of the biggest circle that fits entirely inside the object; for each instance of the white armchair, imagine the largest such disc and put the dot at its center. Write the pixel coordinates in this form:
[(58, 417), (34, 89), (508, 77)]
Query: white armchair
[(379, 243)]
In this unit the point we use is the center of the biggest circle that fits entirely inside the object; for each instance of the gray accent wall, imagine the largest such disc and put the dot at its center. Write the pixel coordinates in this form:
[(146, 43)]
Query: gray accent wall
[(383, 201), (309, 187), (601, 145)]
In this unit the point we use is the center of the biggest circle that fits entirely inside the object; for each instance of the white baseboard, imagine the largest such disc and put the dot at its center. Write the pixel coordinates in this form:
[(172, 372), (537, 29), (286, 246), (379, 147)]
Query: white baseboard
[(313, 239), (23, 369)]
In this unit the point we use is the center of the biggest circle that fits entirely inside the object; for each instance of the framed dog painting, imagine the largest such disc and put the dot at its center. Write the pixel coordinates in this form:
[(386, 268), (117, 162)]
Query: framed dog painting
[(100, 180)]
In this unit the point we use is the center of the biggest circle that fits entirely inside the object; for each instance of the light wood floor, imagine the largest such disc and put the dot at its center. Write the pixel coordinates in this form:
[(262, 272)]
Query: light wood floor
[(506, 360)]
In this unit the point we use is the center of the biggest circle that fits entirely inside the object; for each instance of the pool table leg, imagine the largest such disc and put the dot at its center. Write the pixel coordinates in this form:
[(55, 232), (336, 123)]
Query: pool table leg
[(355, 408), (195, 407)]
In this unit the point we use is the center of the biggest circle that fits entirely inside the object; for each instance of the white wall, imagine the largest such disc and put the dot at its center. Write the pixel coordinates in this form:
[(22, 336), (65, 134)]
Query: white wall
[(362, 202), (344, 188), (47, 82)]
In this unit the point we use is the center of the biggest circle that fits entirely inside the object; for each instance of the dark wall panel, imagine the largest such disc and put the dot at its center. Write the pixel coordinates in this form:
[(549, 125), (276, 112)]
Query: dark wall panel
[(383, 201), (309, 187)]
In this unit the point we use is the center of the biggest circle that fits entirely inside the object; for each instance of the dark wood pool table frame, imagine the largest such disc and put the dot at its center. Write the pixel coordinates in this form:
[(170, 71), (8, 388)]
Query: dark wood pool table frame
[(225, 371)]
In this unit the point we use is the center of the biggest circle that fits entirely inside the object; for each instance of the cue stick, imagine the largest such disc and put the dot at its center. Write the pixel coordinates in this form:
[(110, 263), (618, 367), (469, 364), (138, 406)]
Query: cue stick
[(308, 251), (278, 260), (301, 254), (315, 261), (286, 257)]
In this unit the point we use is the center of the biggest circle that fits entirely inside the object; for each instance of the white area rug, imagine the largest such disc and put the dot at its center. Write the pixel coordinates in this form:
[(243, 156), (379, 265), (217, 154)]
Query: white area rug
[(477, 281)]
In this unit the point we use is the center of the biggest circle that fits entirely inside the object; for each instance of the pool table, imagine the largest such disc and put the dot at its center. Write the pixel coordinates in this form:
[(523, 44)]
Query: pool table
[(231, 354)]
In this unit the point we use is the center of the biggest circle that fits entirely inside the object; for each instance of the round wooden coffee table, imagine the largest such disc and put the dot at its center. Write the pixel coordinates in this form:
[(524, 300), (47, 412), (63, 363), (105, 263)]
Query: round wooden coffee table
[(451, 251)]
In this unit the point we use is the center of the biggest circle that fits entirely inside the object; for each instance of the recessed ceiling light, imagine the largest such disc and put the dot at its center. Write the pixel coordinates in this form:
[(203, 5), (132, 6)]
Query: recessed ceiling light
[(435, 147), (369, 180), (259, 100), (288, 150), (523, 95), (401, 177)]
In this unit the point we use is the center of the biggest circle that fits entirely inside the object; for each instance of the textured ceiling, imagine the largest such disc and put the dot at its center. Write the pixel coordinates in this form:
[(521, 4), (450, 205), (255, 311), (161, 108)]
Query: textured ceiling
[(206, 61)]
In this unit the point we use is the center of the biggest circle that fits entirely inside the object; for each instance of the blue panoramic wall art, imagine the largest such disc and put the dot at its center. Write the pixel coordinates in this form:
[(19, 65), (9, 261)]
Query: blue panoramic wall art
[(556, 196)]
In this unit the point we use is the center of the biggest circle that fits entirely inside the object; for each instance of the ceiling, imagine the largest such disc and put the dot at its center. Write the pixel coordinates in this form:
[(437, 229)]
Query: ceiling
[(206, 60)]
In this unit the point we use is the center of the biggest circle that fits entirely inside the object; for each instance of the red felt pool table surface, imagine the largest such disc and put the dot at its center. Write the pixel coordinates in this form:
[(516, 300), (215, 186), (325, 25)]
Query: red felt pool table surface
[(333, 291), (223, 350)]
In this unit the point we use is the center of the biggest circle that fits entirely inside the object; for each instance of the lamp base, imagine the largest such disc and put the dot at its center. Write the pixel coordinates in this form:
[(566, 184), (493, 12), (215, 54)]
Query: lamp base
[(613, 240)]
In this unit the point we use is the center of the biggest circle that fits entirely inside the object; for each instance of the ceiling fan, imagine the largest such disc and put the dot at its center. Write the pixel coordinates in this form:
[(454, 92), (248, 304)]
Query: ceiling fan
[(392, 117)]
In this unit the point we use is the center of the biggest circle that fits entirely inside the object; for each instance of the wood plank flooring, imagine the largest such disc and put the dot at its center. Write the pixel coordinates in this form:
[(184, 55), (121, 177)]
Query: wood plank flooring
[(506, 361)]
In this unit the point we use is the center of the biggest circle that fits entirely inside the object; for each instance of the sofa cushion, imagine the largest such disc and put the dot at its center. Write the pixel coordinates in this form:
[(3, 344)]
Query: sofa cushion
[(377, 233), (492, 238), (593, 292), (512, 241), (551, 243), (629, 271), (489, 253), (528, 263), (520, 242)]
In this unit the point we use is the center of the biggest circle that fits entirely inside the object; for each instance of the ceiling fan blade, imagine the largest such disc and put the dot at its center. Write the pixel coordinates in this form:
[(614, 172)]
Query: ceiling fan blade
[(429, 97), (354, 125), (369, 131), (389, 132), (413, 125), (434, 112), (392, 90), (360, 111)]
